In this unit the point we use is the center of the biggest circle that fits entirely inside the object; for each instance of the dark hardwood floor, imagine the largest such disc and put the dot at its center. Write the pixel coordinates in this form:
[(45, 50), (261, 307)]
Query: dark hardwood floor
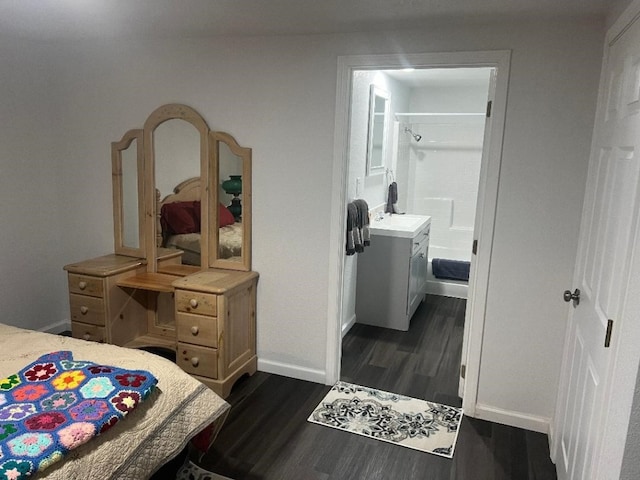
[(267, 436)]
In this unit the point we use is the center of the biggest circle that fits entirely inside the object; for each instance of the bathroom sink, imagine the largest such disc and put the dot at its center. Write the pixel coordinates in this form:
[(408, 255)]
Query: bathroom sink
[(406, 226)]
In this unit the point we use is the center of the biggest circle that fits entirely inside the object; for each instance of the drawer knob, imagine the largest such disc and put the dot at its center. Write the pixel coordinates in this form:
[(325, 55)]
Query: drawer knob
[(193, 302), (195, 330), (82, 285), (195, 361), (84, 310), (86, 336)]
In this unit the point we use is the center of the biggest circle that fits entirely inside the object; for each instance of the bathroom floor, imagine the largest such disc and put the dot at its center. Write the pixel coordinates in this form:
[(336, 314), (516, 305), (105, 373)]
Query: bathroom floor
[(422, 363)]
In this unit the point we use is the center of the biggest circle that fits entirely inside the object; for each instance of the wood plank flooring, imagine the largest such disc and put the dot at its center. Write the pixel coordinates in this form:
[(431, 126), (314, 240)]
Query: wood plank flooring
[(267, 436)]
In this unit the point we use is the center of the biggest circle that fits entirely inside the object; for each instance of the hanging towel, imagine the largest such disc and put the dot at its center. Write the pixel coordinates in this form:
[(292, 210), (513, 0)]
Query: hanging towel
[(392, 198), (363, 224), (352, 219)]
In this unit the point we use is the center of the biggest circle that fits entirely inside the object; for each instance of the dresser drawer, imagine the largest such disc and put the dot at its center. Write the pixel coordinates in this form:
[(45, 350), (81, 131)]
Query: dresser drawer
[(420, 240), (86, 285), (198, 360), (197, 329), (195, 302), (85, 331), (87, 309)]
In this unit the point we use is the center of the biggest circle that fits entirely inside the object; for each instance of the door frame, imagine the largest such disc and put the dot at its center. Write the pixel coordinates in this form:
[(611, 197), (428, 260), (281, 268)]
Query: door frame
[(622, 375), (489, 180)]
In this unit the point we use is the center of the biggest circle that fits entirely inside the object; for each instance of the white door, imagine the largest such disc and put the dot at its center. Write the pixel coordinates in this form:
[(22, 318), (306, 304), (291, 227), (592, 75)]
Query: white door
[(607, 239)]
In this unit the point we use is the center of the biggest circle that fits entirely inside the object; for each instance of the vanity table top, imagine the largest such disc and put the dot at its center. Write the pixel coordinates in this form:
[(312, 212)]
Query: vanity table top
[(105, 265), (214, 280)]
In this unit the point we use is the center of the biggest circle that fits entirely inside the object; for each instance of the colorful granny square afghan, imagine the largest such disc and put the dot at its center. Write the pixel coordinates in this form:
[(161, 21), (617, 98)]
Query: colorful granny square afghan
[(56, 404)]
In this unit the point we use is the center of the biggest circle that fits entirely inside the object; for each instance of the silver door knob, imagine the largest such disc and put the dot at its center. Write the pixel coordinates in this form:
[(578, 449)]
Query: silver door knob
[(575, 296)]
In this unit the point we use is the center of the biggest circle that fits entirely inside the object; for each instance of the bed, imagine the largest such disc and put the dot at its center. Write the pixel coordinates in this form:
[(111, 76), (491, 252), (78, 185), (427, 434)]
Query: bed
[(179, 224), (150, 435)]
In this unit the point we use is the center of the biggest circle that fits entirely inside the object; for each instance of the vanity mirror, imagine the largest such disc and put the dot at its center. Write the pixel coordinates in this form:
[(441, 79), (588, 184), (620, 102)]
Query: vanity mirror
[(230, 247), (177, 149), (127, 162), (376, 140)]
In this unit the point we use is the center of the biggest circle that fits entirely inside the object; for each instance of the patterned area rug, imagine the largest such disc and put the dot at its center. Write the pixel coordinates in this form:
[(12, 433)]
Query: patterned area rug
[(418, 424), (190, 471)]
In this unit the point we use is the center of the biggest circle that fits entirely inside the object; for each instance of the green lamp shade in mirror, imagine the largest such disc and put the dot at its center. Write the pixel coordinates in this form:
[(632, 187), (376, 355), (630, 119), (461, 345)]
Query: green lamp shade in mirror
[(233, 186)]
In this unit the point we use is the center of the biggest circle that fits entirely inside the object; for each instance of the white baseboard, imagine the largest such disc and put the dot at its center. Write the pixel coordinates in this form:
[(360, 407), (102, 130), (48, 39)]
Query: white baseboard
[(293, 371), (57, 327), (552, 442), (513, 419), (347, 326)]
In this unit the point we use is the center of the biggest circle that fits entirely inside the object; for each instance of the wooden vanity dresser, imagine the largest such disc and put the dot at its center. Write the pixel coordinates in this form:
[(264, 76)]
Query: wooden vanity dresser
[(143, 295)]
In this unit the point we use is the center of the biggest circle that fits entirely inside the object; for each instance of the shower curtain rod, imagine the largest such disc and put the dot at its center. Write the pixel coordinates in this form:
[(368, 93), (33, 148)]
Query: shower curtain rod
[(431, 114)]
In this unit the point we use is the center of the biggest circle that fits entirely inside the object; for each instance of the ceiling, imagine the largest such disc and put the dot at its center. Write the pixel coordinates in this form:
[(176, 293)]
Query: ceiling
[(73, 19)]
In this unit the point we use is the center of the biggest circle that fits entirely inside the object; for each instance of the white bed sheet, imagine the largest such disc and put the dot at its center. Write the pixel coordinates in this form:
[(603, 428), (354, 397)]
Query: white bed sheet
[(152, 434)]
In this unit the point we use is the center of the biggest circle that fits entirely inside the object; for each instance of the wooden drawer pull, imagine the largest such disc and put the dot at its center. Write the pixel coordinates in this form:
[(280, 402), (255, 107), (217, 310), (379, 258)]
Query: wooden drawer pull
[(86, 336), (84, 310), (193, 302), (195, 330), (195, 361), (82, 285)]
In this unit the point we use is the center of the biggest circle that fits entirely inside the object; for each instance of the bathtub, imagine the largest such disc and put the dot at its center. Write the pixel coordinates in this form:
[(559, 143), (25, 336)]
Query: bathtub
[(444, 287)]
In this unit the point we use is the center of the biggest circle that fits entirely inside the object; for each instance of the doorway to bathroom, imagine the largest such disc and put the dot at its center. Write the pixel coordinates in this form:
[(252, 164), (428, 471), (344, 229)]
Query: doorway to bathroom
[(442, 151)]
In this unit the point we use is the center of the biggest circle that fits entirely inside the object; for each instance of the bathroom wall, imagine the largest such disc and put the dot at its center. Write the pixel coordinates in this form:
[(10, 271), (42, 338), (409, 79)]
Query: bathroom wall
[(373, 188), (443, 169)]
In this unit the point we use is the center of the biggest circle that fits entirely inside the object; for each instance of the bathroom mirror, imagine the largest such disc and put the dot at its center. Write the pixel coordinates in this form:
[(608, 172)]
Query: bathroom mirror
[(230, 245), (127, 162), (376, 139)]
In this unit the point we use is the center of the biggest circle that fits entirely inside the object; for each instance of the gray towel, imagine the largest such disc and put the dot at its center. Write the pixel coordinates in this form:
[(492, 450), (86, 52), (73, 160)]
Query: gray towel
[(363, 224), (392, 199), (358, 235), (352, 219)]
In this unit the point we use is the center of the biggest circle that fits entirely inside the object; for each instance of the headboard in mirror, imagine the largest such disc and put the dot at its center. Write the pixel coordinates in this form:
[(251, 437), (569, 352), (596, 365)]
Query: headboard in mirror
[(127, 162), (231, 174)]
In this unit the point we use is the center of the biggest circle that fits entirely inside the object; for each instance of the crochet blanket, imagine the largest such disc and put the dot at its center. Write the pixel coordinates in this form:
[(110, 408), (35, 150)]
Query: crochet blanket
[(56, 404)]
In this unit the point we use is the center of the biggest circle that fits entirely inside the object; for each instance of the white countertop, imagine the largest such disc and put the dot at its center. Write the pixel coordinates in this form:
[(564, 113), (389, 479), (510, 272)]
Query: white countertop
[(399, 225)]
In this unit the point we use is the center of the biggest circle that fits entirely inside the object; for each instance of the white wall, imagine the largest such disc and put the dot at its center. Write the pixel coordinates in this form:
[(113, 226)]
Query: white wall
[(277, 95), (445, 164), (372, 188), (32, 289)]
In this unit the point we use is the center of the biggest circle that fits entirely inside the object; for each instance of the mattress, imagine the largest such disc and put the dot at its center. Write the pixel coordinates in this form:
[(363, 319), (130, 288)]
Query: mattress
[(149, 436)]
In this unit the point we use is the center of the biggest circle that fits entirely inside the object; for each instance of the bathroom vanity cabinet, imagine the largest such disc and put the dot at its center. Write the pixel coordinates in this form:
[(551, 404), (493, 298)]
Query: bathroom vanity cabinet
[(392, 273)]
